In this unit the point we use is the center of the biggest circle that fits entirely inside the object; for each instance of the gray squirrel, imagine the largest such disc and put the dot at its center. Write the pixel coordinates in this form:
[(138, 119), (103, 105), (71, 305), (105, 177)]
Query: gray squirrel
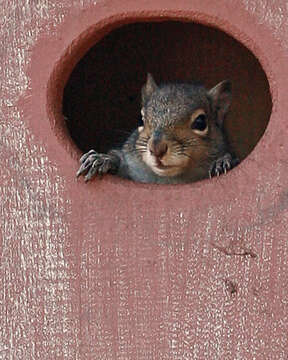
[(182, 139)]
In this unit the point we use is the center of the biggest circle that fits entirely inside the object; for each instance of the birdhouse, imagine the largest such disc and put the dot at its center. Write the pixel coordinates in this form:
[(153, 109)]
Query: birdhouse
[(114, 269)]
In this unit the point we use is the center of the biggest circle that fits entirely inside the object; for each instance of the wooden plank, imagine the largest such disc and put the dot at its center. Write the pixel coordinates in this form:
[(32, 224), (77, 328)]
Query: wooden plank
[(116, 270)]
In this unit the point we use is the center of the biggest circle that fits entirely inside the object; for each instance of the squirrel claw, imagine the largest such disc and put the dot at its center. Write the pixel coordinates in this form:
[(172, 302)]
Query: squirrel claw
[(93, 163), (222, 165), (86, 155)]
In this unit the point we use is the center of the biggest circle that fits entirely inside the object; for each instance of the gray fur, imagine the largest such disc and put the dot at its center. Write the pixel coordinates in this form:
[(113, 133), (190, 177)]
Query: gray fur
[(166, 108)]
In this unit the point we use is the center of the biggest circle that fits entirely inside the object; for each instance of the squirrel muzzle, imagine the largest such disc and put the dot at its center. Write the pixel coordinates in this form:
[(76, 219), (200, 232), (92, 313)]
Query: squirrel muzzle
[(157, 145)]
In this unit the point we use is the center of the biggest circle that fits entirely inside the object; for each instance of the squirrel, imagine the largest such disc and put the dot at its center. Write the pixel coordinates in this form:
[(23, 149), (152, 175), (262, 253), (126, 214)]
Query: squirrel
[(181, 140)]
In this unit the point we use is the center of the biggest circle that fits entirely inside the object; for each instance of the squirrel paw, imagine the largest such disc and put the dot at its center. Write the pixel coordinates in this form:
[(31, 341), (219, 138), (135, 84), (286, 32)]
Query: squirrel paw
[(93, 163), (222, 165)]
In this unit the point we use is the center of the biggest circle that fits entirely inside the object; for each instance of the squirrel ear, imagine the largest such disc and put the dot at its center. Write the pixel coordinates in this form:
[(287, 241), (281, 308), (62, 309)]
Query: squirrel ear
[(221, 95), (148, 88)]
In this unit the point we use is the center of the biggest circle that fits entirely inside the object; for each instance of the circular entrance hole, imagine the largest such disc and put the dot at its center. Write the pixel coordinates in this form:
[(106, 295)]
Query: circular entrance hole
[(101, 99)]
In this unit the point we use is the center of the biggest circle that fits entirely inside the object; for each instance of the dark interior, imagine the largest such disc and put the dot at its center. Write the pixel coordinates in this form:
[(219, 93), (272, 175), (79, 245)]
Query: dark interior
[(102, 96)]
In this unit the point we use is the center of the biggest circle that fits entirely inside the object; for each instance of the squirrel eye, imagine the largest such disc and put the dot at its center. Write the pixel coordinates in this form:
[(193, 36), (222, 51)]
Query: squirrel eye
[(200, 123)]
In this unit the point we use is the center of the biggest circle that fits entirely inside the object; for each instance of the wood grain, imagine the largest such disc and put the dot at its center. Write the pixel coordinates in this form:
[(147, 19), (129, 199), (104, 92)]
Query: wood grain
[(116, 270)]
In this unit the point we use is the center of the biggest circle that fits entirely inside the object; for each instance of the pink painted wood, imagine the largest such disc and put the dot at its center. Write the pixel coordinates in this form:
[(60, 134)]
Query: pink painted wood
[(117, 270)]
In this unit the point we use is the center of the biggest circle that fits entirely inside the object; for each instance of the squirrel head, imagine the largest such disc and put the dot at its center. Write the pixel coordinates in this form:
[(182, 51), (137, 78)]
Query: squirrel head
[(182, 126)]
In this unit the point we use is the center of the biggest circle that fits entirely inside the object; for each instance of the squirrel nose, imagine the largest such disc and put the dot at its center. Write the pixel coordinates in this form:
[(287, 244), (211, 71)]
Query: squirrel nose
[(158, 149)]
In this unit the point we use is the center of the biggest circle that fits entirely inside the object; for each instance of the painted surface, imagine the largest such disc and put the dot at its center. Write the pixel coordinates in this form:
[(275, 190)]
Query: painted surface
[(115, 270)]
